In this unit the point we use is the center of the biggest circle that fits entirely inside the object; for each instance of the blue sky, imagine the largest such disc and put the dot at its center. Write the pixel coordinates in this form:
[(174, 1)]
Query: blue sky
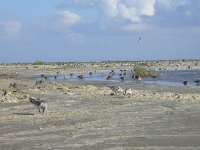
[(96, 30)]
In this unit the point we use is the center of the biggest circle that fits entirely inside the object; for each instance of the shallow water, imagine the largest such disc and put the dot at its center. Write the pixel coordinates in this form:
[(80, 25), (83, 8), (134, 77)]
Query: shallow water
[(176, 77), (169, 78)]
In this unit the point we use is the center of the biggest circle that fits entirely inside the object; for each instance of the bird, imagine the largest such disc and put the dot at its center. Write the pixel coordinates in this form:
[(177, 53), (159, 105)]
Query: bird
[(43, 76), (38, 82), (154, 76), (110, 77), (128, 91), (39, 104), (123, 78), (138, 78), (139, 39), (112, 72), (71, 74), (14, 85), (90, 73), (197, 82), (116, 89), (80, 76), (184, 82)]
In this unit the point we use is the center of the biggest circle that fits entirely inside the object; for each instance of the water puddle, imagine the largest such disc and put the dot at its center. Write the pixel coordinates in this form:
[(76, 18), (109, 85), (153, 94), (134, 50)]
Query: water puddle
[(168, 78)]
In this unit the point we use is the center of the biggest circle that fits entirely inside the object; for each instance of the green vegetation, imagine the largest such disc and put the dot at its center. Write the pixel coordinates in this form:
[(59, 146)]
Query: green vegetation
[(39, 63), (143, 70)]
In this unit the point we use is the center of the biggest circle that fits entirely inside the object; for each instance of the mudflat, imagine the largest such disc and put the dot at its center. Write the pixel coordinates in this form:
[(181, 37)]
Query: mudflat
[(87, 115)]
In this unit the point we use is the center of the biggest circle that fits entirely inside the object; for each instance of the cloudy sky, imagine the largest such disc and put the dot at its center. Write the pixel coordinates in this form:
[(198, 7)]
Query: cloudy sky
[(95, 30)]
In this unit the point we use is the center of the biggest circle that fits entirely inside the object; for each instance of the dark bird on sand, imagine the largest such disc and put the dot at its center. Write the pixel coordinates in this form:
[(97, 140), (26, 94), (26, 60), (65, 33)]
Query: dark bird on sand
[(14, 85), (39, 104), (38, 82)]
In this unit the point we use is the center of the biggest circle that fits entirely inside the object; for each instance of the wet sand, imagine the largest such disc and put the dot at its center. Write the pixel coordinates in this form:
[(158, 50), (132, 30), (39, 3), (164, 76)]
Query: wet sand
[(85, 114)]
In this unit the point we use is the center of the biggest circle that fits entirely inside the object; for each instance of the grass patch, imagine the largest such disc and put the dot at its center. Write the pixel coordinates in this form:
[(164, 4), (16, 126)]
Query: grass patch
[(143, 70), (39, 63)]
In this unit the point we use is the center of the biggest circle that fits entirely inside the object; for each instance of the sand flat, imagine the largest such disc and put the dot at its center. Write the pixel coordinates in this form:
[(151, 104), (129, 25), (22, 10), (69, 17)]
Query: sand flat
[(84, 114)]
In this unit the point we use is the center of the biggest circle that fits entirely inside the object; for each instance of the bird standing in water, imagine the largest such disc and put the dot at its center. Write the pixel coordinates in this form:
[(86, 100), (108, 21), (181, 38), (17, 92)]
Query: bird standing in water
[(197, 82)]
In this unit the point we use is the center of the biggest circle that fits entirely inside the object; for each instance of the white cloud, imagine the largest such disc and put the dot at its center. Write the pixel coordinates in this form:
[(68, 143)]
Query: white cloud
[(68, 19), (119, 14), (131, 10), (10, 29), (128, 15)]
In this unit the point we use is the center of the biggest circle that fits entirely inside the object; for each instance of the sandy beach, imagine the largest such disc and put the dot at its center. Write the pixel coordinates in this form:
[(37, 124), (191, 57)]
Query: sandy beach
[(87, 115)]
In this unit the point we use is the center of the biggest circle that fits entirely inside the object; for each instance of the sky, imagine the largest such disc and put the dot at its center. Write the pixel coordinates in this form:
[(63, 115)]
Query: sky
[(98, 30)]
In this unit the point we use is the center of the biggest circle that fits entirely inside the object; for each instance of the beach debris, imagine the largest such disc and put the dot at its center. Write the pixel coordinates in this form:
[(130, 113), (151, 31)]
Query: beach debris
[(12, 96), (39, 104), (6, 93)]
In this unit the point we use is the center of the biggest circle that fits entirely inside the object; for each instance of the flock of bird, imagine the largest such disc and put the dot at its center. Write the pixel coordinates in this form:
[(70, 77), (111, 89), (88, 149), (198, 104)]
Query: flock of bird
[(118, 90), (196, 81), (42, 105), (111, 75)]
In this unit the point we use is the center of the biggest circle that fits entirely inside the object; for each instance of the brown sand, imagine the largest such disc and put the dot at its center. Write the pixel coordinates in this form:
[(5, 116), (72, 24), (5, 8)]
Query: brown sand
[(83, 115)]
